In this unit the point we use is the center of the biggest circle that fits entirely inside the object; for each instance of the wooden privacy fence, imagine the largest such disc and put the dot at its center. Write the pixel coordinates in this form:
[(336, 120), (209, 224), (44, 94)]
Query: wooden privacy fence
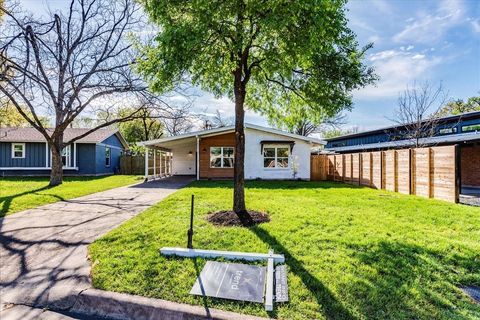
[(159, 164), (429, 172)]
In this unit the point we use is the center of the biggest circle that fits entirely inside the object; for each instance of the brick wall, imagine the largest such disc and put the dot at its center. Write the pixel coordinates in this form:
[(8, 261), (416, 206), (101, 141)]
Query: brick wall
[(470, 165)]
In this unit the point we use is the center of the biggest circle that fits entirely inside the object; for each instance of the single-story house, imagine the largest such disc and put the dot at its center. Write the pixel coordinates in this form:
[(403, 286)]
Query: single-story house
[(210, 154), (25, 152)]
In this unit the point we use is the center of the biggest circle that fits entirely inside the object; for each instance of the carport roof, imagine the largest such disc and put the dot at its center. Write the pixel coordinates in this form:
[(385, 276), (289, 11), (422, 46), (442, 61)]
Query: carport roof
[(222, 130)]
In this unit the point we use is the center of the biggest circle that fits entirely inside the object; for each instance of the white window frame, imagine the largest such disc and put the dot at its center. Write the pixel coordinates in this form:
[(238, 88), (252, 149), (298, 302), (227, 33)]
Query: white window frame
[(13, 150), (109, 157), (68, 156), (276, 147), (221, 157)]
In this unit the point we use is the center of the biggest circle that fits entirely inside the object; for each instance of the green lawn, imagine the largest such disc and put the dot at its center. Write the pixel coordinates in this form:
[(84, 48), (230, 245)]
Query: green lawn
[(352, 253), (20, 193)]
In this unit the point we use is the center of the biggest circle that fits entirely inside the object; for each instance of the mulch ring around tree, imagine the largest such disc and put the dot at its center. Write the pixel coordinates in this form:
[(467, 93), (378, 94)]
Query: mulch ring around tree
[(230, 218)]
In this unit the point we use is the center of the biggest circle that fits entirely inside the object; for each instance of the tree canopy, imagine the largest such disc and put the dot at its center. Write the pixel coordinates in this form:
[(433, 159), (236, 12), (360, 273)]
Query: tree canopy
[(301, 58), (274, 57), (460, 106)]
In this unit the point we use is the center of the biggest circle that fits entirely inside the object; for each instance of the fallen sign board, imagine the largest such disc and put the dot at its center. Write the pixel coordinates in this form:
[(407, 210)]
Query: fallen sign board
[(281, 286), (232, 281)]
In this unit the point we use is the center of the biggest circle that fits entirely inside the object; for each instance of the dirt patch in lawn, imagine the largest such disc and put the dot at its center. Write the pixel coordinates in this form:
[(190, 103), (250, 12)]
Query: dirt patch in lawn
[(230, 218)]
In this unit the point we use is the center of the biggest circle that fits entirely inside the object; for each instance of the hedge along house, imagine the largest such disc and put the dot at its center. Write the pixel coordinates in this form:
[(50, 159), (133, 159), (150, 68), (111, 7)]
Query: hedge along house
[(461, 132), (25, 152), (269, 153)]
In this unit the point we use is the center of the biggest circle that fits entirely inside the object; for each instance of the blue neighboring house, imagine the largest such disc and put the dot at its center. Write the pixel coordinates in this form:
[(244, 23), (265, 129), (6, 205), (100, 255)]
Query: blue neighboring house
[(24, 152)]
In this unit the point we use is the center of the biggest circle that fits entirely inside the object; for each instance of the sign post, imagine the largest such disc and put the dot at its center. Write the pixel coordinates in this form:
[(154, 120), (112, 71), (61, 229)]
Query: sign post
[(190, 231)]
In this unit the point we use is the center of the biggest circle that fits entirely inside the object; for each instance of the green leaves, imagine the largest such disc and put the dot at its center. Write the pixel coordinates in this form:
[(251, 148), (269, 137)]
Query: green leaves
[(295, 56)]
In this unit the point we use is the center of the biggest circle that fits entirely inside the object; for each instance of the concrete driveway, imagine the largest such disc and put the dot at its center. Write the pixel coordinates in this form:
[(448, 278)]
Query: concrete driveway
[(43, 251)]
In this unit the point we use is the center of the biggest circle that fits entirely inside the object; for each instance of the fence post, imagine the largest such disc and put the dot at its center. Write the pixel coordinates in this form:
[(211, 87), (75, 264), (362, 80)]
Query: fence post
[(360, 157), (430, 173), (371, 169), (458, 177)]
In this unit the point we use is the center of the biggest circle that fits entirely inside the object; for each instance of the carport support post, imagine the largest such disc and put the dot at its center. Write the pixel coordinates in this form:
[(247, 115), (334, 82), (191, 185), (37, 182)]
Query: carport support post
[(154, 163), (146, 163)]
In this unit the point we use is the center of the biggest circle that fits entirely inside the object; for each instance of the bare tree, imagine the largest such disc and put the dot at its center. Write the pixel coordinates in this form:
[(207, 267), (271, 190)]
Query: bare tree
[(417, 112), (179, 121), (74, 62), (216, 120), (305, 127)]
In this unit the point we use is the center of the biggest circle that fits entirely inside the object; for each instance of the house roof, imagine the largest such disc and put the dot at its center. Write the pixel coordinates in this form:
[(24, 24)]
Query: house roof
[(227, 129), (463, 116), (449, 139), (33, 135)]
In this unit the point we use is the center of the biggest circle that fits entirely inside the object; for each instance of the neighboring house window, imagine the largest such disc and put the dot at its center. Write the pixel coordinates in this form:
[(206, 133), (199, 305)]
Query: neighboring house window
[(448, 130), (18, 150), (276, 157), (66, 156), (470, 128), (107, 156), (221, 157)]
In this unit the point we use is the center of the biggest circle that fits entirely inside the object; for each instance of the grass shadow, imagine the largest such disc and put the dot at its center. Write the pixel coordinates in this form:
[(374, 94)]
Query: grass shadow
[(5, 202), (398, 271), (274, 184), (332, 308)]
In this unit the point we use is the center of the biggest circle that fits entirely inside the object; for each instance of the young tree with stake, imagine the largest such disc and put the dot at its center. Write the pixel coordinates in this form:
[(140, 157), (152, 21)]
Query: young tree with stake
[(267, 55)]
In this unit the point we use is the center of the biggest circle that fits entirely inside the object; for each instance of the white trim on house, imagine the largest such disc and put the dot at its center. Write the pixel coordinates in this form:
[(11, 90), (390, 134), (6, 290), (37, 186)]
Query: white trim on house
[(46, 154), (74, 154), (218, 131), (13, 150)]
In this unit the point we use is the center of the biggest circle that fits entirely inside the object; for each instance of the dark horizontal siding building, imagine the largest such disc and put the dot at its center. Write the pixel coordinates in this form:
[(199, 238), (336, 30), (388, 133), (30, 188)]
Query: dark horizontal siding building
[(448, 130), (24, 152), (461, 130)]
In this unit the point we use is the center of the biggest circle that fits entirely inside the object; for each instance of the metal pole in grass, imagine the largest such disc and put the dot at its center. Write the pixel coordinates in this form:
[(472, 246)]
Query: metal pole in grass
[(190, 231)]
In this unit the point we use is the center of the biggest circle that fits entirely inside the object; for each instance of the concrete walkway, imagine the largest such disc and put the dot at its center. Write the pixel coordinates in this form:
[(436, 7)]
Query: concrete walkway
[(43, 251)]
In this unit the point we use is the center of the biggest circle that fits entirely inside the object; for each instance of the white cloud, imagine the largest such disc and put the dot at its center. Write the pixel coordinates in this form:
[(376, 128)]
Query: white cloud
[(396, 69), (475, 25), (418, 56), (428, 27)]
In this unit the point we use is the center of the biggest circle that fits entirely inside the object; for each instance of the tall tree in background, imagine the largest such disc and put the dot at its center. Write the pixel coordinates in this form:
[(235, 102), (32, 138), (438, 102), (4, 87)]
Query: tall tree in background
[(305, 127), (417, 112), (69, 64), (459, 106), (267, 55)]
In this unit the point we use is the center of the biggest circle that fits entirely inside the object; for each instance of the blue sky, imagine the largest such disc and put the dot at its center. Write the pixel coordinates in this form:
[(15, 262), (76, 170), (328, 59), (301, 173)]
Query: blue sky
[(434, 40)]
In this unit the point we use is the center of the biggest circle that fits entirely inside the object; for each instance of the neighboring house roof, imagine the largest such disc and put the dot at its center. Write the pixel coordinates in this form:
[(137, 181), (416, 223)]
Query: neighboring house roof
[(463, 116), (33, 135), (454, 138), (227, 129)]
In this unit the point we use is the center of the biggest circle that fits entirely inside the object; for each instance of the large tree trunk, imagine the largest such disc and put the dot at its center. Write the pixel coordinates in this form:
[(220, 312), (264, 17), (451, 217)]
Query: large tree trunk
[(238, 172), (56, 173)]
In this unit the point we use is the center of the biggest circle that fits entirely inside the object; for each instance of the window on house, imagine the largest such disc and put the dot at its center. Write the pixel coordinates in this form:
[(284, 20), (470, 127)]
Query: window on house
[(470, 128), (66, 156), (448, 130), (276, 157), (18, 150), (107, 156), (221, 157)]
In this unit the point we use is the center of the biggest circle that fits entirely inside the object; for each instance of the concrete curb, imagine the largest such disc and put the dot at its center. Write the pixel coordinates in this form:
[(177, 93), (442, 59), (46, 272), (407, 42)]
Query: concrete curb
[(98, 303)]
